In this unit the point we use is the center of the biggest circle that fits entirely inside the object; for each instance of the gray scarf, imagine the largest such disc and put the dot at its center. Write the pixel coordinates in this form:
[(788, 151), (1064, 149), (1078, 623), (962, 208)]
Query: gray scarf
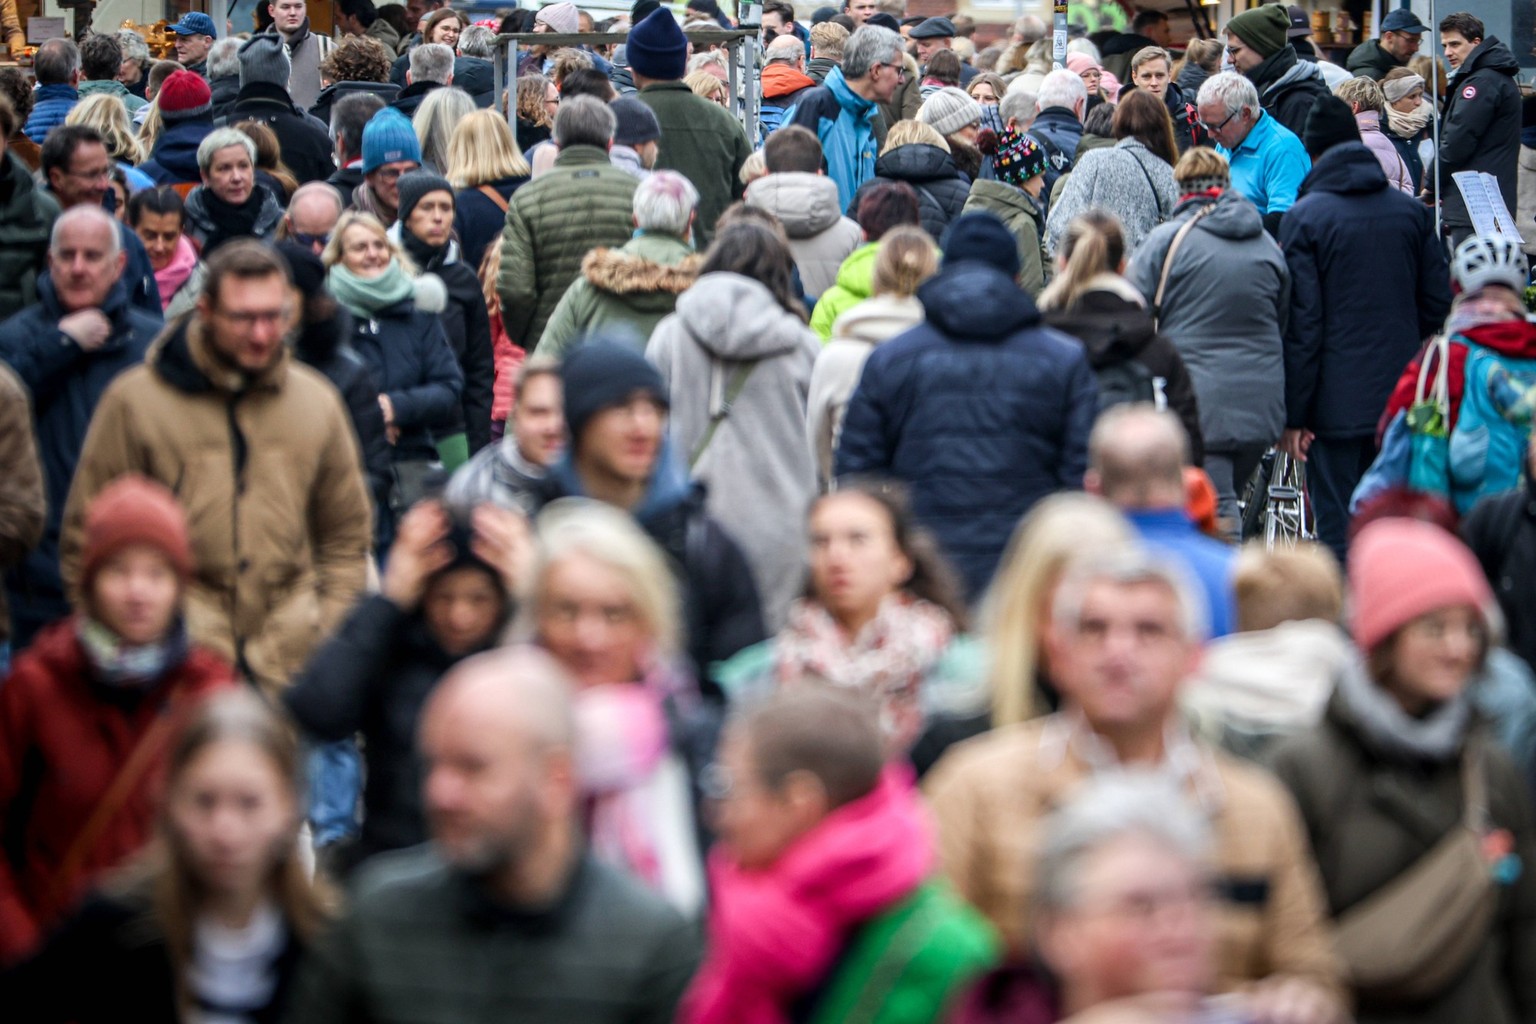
[(1436, 737)]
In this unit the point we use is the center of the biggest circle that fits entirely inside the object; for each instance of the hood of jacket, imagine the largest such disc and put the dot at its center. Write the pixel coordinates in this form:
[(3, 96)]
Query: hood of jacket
[(1300, 71), (1347, 169), (735, 317), (857, 273), (176, 149), (182, 357), (1267, 679), (974, 301), (1490, 55), (878, 319), (264, 94), (806, 204), (917, 162), (1110, 319), (782, 80), (1234, 217), (649, 271)]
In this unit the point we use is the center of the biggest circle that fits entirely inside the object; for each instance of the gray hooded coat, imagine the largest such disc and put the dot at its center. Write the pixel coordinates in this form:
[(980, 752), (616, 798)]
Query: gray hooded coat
[(820, 237), (1225, 309), (758, 465)]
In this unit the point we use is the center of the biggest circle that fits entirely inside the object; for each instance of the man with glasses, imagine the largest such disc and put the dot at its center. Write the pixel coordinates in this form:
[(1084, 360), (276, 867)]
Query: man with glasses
[(1259, 47), (312, 215), (390, 149), (260, 450), (1401, 35), (844, 111), (1268, 161)]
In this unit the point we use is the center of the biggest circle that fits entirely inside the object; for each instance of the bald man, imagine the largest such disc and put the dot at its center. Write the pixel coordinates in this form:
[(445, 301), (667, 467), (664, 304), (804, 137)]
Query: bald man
[(504, 914)]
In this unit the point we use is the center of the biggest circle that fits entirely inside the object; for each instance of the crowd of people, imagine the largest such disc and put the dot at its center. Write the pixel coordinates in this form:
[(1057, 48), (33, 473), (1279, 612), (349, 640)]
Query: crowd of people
[(559, 556)]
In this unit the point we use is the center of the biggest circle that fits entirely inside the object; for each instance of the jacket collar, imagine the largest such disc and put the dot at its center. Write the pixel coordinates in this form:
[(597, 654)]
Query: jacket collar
[(1071, 752), (267, 94), (114, 307), (181, 356), (576, 156), (57, 91), (846, 97)]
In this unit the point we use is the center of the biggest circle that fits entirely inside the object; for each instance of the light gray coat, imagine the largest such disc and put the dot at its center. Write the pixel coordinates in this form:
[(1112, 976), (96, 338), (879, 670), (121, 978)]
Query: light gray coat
[(820, 237), (1126, 179)]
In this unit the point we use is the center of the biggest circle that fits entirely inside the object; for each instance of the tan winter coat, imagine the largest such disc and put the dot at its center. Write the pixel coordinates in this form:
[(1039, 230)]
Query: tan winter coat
[(989, 795), (272, 481)]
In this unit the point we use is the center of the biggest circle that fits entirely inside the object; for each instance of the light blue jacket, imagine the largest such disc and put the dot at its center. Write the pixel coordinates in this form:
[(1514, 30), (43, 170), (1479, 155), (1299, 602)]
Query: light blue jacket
[(844, 121), (1269, 165)]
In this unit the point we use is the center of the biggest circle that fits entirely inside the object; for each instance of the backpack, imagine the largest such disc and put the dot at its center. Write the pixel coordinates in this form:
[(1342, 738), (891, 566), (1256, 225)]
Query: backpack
[(1493, 426), (1126, 382)]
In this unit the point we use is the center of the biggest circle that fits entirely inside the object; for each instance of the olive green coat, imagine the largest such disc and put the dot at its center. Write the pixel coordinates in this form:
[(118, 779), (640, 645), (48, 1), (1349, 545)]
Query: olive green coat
[(623, 293)]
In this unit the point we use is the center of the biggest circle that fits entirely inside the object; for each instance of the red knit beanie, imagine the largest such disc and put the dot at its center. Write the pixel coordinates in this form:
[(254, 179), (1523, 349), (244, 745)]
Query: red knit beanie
[(134, 510), (183, 96), (1400, 569)]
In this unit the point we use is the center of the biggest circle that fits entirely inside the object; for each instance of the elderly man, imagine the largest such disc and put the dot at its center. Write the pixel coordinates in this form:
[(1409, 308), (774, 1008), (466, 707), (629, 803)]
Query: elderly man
[(431, 68), (390, 149), (312, 215), (1259, 48), (195, 33), (57, 70), (67, 348), (1401, 35), (223, 74), (937, 34), (230, 203), (1058, 126), (306, 49), (784, 81), (1268, 161), (1125, 633), (264, 73), (261, 451), (844, 111)]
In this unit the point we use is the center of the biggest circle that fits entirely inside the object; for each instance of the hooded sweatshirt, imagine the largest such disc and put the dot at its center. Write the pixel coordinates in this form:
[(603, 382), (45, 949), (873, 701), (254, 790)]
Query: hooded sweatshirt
[(855, 283), (820, 237), (755, 463)]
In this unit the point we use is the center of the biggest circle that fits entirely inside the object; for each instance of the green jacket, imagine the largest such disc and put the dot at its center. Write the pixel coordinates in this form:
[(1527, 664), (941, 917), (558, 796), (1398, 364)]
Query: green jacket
[(703, 143), (580, 204), (628, 290), (26, 219), (111, 88), (855, 283), (1024, 218), (910, 964), (1369, 60)]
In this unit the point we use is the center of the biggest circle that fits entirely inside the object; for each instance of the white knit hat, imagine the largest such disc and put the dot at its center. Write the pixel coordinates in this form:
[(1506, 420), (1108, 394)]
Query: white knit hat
[(949, 110)]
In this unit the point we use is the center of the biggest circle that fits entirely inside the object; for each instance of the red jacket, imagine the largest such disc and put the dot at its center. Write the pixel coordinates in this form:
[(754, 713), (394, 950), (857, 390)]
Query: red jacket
[(62, 741), (1513, 338)]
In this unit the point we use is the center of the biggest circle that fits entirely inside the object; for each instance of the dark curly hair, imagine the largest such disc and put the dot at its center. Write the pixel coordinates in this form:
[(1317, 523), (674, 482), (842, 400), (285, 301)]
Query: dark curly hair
[(357, 59)]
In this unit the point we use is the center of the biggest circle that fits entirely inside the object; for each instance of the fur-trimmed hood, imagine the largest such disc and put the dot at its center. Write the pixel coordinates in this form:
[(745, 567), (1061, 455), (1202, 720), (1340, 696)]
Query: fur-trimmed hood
[(646, 265)]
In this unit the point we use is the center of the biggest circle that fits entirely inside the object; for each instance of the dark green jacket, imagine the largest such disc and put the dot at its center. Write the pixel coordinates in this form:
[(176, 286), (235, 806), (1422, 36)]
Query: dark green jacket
[(703, 143), (421, 942), (582, 203), (26, 219), (1369, 60)]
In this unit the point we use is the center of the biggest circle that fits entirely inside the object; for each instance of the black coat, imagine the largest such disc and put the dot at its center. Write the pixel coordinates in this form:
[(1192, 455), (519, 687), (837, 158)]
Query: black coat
[(1288, 87), (305, 144), (225, 92), (468, 327), (1481, 127), (326, 101), (941, 187), (476, 76), (1501, 531), (411, 96), (478, 219), (345, 181), (1349, 336), (324, 346), (414, 364)]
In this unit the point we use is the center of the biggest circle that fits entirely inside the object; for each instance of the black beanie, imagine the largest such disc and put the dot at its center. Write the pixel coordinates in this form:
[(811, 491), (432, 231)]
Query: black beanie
[(307, 270), (1331, 123), (602, 374), (984, 238)]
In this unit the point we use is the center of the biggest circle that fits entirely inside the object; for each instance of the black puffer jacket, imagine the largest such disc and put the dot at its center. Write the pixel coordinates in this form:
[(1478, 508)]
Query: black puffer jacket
[(1501, 531), (941, 187), (324, 346), (1288, 87)]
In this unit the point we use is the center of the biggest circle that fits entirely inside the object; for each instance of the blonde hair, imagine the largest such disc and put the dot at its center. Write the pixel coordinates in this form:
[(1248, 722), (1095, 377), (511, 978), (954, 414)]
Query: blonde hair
[(1148, 54), (1363, 91), (1286, 585), (531, 90), (150, 128), (705, 85), (906, 259), (1093, 244), (109, 117), (565, 60), (435, 121), (577, 527), (331, 256), (1201, 162), (1057, 531), (908, 133), (755, 167), (828, 39), (482, 150)]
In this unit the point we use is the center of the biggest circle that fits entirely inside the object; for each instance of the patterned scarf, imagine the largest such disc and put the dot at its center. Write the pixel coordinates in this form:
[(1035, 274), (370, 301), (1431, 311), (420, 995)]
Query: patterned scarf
[(123, 666)]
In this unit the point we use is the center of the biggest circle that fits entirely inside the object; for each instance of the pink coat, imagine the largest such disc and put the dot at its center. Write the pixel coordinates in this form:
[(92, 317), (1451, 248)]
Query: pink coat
[(1398, 175)]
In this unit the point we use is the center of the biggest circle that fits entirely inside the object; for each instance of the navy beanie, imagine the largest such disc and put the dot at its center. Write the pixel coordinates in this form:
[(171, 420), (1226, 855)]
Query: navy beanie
[(984, 238), (657, 49), (602, 374), (1330, 123)]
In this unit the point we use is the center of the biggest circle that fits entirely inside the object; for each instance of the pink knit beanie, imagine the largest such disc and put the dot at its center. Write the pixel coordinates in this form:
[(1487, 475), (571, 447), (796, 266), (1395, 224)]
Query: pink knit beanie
[(1400, 569)]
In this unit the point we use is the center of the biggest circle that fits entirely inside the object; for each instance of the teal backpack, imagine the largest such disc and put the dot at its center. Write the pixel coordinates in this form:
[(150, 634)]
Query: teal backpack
[(1487, 448)]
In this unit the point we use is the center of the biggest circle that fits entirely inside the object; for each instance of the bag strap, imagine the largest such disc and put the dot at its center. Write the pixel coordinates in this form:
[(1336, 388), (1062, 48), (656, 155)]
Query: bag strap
[(1436, 354), (1173, 248), (1157, 200), (732, 392), (494, 196), (1474, 787)]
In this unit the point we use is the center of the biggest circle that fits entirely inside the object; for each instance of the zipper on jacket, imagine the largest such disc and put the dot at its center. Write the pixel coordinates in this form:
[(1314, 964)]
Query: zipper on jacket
[(239, 453)]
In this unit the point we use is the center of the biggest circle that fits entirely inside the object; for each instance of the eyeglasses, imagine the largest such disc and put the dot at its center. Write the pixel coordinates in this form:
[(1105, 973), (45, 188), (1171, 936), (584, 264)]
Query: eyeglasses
[(103, 174), (1214, 128), (390, 173), (311, 241), (246, 321), (900, 69)]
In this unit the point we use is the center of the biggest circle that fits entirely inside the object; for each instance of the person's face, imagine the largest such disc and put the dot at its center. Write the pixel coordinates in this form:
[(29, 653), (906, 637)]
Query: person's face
[(234, 816), (1144, 922), (861, 10), (192, 50), (120, 200), (129, 72), (462, 609), (1036, 185), (136, 594), (83, 266), (1494, 302), (365, 252), (754, 822), (431, 219), (1409, 103), (311, 221), (1227, 130), (856, 562), (1457, 47), (551, 100), (538, 420), (230, 175), (384, 181), (287, 15), (414, 10), (1153, 77), (773, 26), (886, 77), (249, 319), (624, 440), (1091, 78), (1158, 33), (160, 233), (1243, 58), (983, 93), (1435, 655), (87, 179), (1122, 662), (588, 620), (1404, 45), (446, 32), (926, 48)]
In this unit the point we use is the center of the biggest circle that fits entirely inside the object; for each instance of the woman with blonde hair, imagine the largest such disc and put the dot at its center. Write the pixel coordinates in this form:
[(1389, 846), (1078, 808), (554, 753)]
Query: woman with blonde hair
[(906, 259), (1202, 59), (709, 87), (486, 165), (916, 154), (1017, 609), (435, 121), (1368, 103), (109, 117), (270, 169)]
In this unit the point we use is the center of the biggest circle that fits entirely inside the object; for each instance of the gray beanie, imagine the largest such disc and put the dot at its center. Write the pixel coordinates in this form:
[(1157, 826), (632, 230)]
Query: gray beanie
[(264, 58), (636, 122), (949, 110), (414, 186)]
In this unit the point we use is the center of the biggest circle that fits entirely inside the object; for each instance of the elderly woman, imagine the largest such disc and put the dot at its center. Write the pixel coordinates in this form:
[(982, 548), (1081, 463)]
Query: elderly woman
[(230, 203), (1369, 104), (440, 113)]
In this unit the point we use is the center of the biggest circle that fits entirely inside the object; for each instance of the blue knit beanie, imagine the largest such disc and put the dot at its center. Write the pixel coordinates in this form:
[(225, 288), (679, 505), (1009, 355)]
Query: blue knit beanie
[(389, 138), (657, 48)]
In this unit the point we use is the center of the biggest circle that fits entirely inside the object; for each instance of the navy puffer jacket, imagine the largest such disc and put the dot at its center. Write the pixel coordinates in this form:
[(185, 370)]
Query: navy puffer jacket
[(409, 354), (941, 187)]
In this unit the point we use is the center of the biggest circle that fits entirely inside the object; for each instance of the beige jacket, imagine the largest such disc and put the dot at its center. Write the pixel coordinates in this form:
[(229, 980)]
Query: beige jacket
[(989, 794)]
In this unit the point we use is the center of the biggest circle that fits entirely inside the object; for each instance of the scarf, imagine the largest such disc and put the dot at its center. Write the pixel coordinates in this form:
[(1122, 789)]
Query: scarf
[(123, 666), (1472, 311), (426, 256), (775, 933), (231, 221), (368, 296), (889, 659), (1436, 737), (175, 273), (1412, 124)]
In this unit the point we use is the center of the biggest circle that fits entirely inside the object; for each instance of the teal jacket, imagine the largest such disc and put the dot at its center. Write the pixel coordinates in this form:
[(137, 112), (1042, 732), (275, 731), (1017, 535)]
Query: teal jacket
[(844, 121)]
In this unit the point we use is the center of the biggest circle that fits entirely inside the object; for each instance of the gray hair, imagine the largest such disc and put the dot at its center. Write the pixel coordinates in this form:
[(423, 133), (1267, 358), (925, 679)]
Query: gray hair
[(1030, 29), (1061, 88), (664, 202), (432, 62), (1128, 567), (316, 188), (584, 121), (788, 48), (1017, 103), (224, 58), (869, 46), (134, 46), (1232, 91), (55, 62), (1114, 805), (223, 138), (95, 214), (477, 41), (440, 112), (700, 61)]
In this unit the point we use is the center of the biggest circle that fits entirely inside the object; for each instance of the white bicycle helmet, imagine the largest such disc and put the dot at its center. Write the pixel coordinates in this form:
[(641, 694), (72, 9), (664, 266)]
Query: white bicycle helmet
[(1489, 259)]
